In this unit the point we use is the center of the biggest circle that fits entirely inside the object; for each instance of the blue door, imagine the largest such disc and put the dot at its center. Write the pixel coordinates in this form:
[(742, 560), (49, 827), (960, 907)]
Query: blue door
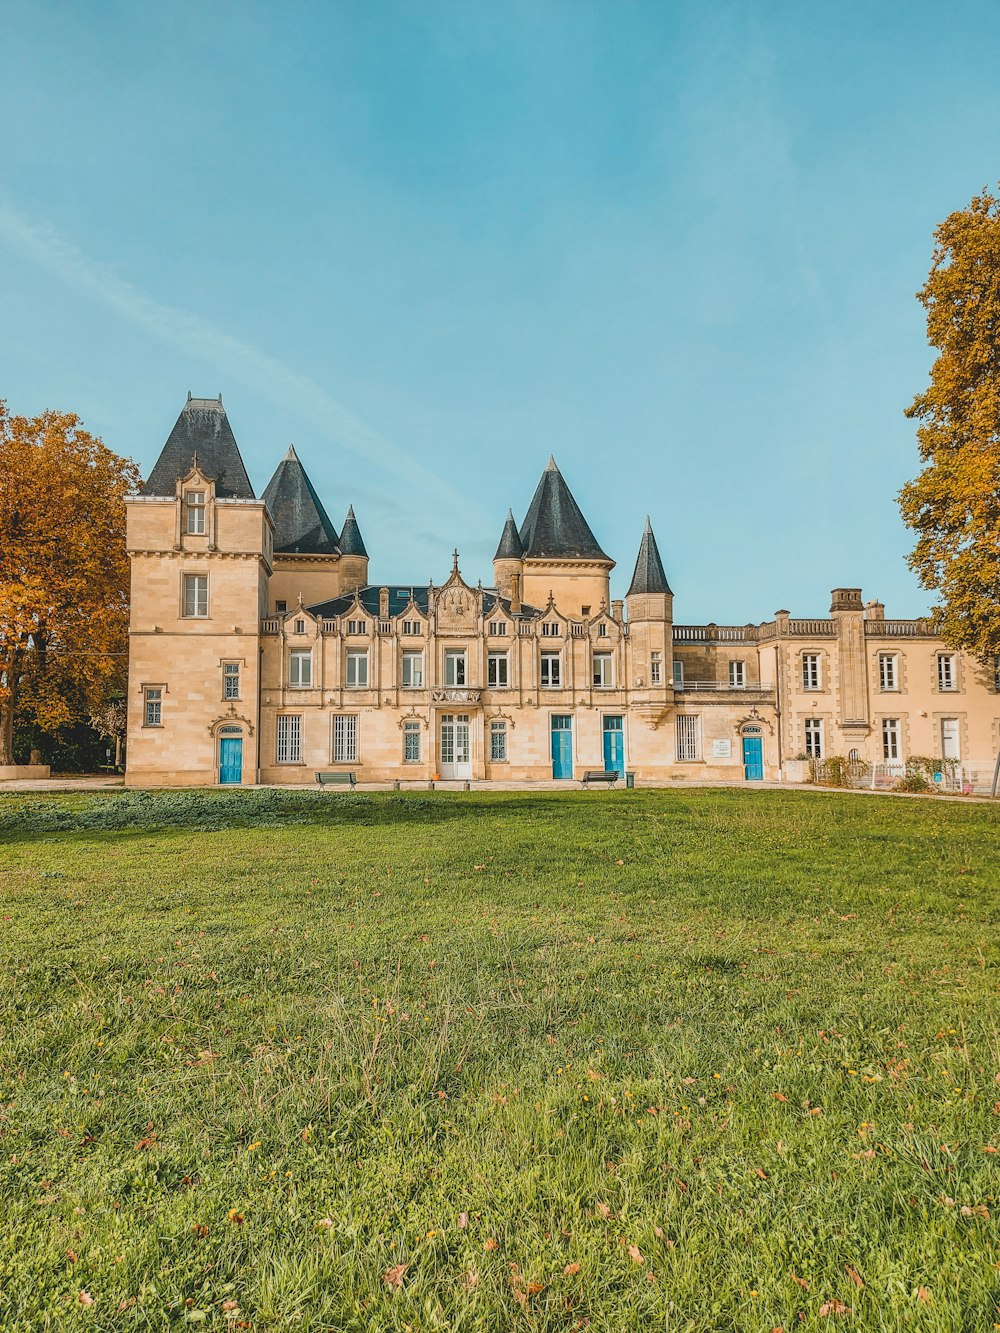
[(753, 758), (614, 746), (562, 747), (231, 759)]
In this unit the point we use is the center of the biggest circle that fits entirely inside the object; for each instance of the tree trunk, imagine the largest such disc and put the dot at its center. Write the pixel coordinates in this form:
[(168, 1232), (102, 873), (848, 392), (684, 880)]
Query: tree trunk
[(6, 734)]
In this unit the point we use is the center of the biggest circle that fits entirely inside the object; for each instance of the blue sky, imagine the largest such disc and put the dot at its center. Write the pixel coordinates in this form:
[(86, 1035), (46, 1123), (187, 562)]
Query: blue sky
[(675, 244)]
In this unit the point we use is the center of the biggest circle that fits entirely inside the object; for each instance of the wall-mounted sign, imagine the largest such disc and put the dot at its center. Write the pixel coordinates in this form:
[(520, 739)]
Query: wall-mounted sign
[(722, 749)]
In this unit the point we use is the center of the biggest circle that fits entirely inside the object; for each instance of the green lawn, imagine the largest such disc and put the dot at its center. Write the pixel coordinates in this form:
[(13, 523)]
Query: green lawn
[(712, 1060)]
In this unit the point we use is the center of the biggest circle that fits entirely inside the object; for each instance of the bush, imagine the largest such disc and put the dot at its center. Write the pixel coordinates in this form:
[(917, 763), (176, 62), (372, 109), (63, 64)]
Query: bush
[(913, 781)]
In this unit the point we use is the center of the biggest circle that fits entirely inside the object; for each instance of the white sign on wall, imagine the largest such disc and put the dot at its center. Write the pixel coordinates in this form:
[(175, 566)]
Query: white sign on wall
[(722, 749)]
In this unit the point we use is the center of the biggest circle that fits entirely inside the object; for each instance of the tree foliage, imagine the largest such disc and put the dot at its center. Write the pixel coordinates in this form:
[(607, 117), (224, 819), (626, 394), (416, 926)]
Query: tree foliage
[(64, 572), (954, 504)]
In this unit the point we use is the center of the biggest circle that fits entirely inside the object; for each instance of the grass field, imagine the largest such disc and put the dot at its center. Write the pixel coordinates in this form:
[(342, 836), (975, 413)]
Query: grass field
[(714, 1060)]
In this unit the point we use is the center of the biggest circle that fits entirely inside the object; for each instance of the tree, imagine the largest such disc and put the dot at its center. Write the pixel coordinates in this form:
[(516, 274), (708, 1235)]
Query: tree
[(954, 504), (63, 572)]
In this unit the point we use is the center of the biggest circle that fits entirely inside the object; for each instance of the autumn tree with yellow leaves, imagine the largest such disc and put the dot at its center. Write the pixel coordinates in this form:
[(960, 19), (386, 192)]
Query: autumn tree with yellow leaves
[(64, 573), (954, 504)]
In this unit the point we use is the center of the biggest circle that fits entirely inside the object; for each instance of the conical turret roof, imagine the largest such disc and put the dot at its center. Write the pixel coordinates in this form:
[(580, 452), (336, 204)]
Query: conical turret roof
[(554, 526), (510, 547), (202, 430), (301, 524), (649, 575), (351, 541)]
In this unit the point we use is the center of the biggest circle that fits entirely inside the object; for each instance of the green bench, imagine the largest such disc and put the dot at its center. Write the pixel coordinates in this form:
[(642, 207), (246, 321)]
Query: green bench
[(609, 776), (336, 779)]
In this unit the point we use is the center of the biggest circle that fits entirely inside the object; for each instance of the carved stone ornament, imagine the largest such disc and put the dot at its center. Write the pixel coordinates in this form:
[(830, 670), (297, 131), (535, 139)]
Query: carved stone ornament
[(456, 696), (231, 716)]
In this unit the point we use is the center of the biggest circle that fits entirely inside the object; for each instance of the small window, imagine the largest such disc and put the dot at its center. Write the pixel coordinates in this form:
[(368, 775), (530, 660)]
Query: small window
[(678, 675), (602, 629), (947, 679), (300, 669), (687, 737), (411, 627), (496, 671), (454, 667), (550, 629), (231, 680), (814, 737), (584, 610), (890, 738), (888, 675), (289, 739), (413, 671), (737, 675), (498, 742), (356, 626), (357, 669), (411, 742), (196, 513), (280, 608), (655, 668), (154, 707), (603, 675), (196, 595), (300, 627), (345, 739), (811, 675), (498, 627), (551, 676)]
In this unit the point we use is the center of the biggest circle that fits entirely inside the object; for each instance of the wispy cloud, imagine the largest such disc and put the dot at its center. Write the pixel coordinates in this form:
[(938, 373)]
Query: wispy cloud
[(196, 336)]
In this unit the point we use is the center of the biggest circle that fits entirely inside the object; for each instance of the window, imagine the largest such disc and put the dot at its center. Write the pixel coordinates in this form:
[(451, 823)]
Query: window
[(280, 608), (497, 627), (454, 667), (811, 677), (814, 738), (231, 680), (551, 673), (655, 668), (289, 746), (300, 627), (498, 742), (300, 669), (196, 595), (411, 742), (888, 676), (687, 737), (737, 675), (357, 669), (603, 671), (946, 671), (196, 513), (411, 626), (550, 630), (413, 671), (584, 610), (950, 744), (890, 738), (602, 629), (154, 707), (345, 739), (496, 671), (356, 626), (678, 675)]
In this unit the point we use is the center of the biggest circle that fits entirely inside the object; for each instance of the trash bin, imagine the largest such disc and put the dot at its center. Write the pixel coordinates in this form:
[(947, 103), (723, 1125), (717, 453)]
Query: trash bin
[(629, 779)]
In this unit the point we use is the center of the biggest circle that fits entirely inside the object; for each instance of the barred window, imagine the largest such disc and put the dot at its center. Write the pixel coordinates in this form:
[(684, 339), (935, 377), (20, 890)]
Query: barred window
[(411, 743), (289, 739), (345, 739), (231, 680), (687, 737), (498, 742)]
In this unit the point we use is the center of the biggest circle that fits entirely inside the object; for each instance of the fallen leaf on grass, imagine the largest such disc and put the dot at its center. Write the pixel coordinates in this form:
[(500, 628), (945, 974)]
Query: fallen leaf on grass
[(975, 1210), (471, 1279), (761, 1175), (571, 1270), (230, 1305), (799, 1281), (71, 1256), (235, 1217), (636, 1255), (924, 1295), (603, 1209), (393, 1277), (490, 1244), (834, 1307), (779, 1097), (854, 1275), (85, 1298), (325, 1223), (463, 1221)]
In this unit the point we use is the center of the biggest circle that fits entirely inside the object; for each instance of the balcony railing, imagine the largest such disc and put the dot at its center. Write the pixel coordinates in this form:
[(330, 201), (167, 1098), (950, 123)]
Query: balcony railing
[(684, 687), (898, 629)]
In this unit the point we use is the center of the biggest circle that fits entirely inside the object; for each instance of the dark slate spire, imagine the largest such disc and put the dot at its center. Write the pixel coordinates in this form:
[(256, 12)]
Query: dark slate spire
[(301, 524), (510, 547), (554, 527), (203, 429), (649, 575), (351, 542)]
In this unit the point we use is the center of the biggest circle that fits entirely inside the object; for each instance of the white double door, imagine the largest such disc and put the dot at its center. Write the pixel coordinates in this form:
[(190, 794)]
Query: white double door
[(455, 748)]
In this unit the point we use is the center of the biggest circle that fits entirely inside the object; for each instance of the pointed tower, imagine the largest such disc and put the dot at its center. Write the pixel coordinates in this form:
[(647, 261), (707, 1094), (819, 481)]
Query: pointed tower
[(353, 555), (200, 545), (508, 563), (306, 546), (560, 553), (650, 615)]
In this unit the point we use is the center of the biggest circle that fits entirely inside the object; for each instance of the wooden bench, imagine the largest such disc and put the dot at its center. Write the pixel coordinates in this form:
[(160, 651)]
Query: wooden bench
[(609, 776), (336, 779)]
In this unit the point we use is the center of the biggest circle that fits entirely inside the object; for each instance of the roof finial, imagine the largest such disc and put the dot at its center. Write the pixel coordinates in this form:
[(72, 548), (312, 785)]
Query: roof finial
[(189, 395), (550, 466), (454, 561), (194, 460)]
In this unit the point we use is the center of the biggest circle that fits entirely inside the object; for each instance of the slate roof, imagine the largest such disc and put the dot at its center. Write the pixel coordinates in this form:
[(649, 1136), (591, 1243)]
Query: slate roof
[(400, 596), (351, 541), (301, 524), (554, 526), (203, 429), (510, 547), (649, 575)]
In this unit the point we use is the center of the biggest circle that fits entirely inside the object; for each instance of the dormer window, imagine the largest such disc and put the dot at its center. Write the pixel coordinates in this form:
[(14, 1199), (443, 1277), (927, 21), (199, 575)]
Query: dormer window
[(356, 627), (550, 629), (497, 627), (196, 513), (411, 627), (602, 630), (300, 627)]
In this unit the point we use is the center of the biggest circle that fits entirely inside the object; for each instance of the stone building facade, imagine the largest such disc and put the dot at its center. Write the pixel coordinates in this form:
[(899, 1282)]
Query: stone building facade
[(260, 652)]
